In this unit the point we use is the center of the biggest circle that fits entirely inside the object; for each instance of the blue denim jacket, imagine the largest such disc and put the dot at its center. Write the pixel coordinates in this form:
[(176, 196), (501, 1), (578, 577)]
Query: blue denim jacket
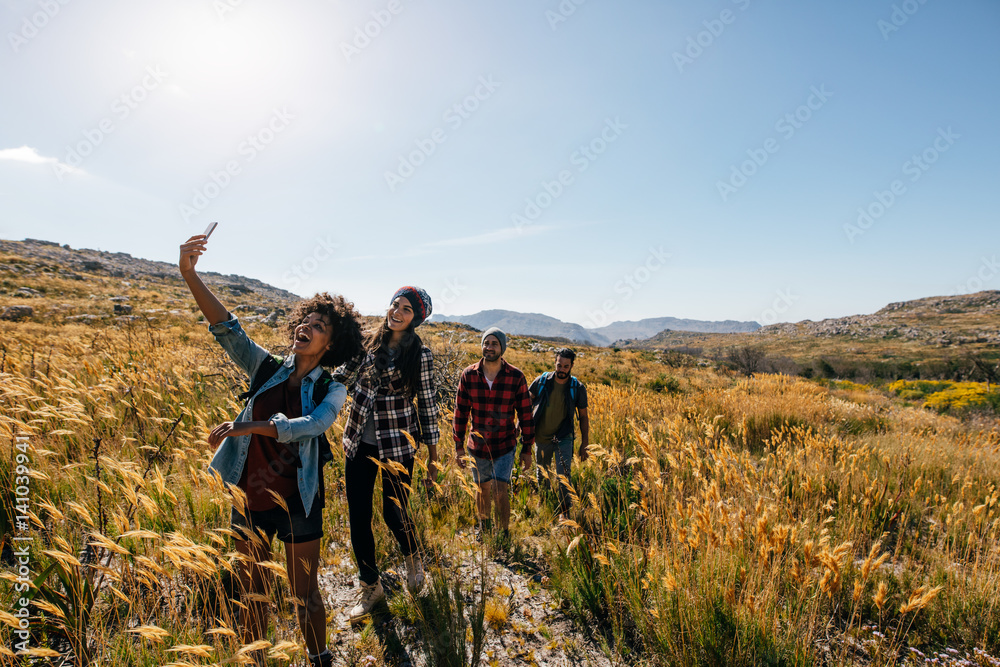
[(231, 456)]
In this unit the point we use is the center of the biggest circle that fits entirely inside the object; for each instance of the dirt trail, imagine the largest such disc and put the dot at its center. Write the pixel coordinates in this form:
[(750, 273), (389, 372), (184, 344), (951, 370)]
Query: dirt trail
[(536, 631)]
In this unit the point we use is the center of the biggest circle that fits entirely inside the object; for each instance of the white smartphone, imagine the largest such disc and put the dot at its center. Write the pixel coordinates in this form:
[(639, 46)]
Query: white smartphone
[(211, 228)]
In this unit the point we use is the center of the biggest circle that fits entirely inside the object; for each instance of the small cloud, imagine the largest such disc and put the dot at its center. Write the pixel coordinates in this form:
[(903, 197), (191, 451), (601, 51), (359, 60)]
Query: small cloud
[(30, 155), (25, 154)]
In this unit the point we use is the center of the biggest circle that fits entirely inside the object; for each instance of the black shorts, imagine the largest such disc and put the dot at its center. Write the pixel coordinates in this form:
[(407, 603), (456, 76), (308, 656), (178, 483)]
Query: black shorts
[(292, 527)]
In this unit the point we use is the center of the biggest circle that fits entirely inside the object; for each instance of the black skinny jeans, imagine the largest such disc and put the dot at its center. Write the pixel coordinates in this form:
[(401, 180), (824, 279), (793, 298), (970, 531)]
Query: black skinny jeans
[(360, 473)]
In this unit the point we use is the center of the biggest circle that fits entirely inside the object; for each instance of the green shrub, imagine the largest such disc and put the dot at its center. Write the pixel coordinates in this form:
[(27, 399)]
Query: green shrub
[(663, 382), (615, 375)]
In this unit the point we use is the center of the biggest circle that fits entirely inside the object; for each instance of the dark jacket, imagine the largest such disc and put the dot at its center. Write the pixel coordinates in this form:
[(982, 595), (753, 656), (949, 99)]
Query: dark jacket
[(576, 397)]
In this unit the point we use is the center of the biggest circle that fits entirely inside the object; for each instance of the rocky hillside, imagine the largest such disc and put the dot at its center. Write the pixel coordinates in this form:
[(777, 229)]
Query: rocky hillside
[(931, 338), (938, 320), (45, 279), (66, 262)]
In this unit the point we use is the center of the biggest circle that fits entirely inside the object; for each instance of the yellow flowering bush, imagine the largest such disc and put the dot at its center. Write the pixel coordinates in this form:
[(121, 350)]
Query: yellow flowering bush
[(918, 388), (960, 396), (943, 395)]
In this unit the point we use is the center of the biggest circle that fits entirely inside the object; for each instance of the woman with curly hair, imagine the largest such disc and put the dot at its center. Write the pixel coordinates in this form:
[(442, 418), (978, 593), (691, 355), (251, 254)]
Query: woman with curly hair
[(384, 428), (272, 450)]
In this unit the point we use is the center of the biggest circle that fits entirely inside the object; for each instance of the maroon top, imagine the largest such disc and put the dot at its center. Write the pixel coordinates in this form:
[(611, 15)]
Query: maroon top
[(271, 464)]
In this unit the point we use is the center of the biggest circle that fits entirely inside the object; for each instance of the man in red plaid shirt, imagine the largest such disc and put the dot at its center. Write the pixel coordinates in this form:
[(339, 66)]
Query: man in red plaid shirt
[(492, 391)]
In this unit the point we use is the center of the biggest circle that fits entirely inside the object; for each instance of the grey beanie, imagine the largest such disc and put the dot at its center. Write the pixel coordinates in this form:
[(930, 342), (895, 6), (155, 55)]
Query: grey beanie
[(500, 336)]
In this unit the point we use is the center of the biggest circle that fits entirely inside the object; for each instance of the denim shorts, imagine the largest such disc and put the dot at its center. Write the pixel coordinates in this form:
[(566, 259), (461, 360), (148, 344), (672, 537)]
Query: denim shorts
[(489, 470), (291, 527)]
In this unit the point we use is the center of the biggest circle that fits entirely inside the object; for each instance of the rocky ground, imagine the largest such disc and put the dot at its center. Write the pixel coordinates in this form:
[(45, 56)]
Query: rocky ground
[(870, 642), (525, 625)]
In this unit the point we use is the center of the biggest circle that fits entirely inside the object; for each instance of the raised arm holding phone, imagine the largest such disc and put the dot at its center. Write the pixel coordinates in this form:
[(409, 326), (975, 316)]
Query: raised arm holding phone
[(272, 449)]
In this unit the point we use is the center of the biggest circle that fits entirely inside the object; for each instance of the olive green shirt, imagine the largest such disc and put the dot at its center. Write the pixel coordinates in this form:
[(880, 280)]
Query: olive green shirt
[(555, 412)]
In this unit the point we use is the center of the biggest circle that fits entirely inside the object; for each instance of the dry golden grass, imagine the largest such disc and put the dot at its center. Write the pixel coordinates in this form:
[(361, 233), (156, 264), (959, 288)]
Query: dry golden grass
[(720, 521)]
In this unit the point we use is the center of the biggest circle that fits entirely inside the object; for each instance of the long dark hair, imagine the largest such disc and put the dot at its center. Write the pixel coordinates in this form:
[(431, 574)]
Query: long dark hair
[(407, 356)]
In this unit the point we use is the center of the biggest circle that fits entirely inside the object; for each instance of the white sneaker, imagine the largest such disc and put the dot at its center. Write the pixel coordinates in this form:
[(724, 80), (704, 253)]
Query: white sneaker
[(371, 595), (414, 574)]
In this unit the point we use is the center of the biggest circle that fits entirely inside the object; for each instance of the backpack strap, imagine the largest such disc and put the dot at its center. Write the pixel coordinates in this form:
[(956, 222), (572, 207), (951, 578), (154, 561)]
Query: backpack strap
[(265, 371), (541, 384), (320, 389)]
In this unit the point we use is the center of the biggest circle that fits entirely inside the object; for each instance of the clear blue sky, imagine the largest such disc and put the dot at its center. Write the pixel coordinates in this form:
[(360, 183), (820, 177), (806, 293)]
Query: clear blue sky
[(729, 147)]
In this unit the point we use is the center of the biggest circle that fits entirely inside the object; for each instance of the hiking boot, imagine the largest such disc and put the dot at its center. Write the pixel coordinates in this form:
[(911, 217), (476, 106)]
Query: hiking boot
[(324, 659), (371, 595), (414, 574)]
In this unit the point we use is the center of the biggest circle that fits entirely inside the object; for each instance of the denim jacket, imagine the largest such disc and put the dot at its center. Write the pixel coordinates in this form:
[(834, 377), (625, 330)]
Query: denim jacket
[(231, 456)]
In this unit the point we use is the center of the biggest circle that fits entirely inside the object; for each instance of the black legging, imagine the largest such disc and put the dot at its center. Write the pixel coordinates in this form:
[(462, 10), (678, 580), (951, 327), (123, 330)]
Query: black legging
[(360, 473)]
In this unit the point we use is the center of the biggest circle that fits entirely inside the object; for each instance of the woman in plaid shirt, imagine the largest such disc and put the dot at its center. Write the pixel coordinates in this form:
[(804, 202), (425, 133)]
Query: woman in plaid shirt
[(383, 426)]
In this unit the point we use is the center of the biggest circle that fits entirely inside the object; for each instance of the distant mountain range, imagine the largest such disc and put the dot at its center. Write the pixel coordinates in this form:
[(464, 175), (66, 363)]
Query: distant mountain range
[(654, 325), (536, 324)]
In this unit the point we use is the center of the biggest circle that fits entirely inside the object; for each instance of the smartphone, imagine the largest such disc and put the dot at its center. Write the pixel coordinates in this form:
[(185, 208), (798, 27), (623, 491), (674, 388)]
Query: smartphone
[(211, 228)]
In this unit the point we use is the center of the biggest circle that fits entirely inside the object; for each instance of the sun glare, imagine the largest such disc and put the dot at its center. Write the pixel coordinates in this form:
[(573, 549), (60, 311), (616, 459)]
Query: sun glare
[(242, 55)]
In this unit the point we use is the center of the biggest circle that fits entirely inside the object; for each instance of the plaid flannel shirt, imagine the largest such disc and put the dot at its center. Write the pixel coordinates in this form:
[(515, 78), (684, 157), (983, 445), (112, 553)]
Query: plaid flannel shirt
[(494, 432), (382, 395)]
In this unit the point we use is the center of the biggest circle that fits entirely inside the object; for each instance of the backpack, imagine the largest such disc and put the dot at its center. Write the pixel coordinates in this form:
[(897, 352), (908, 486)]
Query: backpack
[(573, 384), (266, 370)]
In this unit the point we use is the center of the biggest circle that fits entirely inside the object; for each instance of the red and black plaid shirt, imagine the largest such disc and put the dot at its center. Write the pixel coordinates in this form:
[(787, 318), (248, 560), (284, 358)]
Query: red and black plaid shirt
[(494, 432)]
